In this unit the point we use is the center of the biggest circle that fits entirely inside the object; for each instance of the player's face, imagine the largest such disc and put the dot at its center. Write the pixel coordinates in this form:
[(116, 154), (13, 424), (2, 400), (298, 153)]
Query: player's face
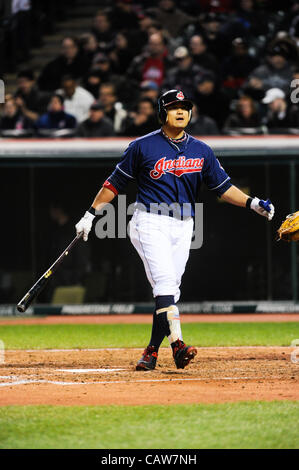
[(177, 115)]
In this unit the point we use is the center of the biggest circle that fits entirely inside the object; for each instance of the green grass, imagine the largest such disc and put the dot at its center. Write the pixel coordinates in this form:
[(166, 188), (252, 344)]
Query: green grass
[(133, 335), (249, 425)]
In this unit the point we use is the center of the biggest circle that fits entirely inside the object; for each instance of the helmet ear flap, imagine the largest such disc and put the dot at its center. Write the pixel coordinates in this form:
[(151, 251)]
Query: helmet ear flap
[(163, 115), (190, 114)]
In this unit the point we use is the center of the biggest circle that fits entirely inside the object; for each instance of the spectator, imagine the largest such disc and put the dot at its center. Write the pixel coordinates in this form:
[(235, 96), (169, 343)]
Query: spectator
[(157, 27), (56, 118), (92, 82), (77, 100), (140, 36), (275, 73), (152, 64), (150, 90), (288, 44), (121, 55), (294, 29), (250, 19), (102, 63), (102, 30), (182, 76), (237, 66), (220, 6), (29, 99), (201, 124), (69, 62), (200, 55), (173, 19), (97, 125), (123, 16), (246, 115), (13, 118), (89, 46), (113, 108), (279, 116), (211, 100), (216, 41), (143, 121)]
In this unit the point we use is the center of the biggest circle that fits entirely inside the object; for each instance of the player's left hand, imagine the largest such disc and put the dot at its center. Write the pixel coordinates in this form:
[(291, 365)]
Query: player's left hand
[(262, 207)]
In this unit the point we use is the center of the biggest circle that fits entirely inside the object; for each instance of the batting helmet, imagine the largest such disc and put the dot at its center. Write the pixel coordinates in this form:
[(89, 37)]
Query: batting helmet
[(171, 97)]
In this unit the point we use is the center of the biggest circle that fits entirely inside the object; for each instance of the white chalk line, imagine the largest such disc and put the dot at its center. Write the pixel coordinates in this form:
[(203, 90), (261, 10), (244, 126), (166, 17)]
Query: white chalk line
[(139, 349), (199, 379), (85, 371)]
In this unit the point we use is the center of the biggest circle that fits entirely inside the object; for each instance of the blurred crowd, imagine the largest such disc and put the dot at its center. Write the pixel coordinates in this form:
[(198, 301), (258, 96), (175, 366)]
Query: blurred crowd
[(236, 59)]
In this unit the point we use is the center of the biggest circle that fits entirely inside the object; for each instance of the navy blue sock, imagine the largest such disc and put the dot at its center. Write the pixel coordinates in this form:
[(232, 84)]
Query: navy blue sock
[(160, 327)]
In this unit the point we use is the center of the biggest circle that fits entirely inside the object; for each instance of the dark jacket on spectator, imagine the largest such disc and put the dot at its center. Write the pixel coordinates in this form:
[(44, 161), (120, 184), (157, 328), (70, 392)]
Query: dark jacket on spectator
[(272, 77), (123, 20), (36, 100), (202, 125), (182, 79), (206, 61), (173, 21), (51, 75), (235, 120), (235, 70), (283, 120), (18, 122), (133, 130), (214, 105), (105, 39), (103, 128), (59, 120)]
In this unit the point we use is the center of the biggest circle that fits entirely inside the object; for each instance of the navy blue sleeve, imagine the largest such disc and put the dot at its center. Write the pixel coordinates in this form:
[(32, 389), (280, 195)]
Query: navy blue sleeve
[(126, 170), (214, 175)]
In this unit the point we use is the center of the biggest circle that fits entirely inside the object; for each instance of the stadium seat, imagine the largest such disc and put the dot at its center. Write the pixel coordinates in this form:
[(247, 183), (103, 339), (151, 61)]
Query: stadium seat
[(68, 295)]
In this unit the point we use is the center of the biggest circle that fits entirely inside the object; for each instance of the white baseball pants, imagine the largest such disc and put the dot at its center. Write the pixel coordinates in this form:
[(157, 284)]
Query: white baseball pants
[(163, 243)]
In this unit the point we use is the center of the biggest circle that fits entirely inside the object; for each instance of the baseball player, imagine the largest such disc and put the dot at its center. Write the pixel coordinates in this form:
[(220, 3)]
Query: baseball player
[(169, 167)]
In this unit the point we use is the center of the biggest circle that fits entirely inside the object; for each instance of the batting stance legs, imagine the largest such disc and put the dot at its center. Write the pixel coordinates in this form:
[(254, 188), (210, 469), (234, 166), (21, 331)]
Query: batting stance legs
[(163, 243)]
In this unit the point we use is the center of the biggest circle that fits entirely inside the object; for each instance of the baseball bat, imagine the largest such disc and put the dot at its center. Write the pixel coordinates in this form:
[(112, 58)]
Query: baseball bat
[(44, 279)]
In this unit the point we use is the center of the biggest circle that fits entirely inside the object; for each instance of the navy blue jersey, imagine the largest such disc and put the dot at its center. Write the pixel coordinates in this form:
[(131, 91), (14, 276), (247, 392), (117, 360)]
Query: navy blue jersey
[(168, 172)]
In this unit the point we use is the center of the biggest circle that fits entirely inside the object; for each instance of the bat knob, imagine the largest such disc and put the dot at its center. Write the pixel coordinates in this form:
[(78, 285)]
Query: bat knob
[(21, 308)]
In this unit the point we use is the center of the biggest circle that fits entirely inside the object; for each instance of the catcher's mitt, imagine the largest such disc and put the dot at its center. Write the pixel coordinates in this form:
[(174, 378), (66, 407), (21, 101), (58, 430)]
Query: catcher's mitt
[(289, 229)]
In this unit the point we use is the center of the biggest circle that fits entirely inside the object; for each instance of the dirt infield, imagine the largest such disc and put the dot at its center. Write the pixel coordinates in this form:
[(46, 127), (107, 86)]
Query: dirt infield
[(147, 318), (108, 376)]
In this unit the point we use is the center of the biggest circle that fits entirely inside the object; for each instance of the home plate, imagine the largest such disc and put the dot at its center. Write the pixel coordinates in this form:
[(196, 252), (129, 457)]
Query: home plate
[(85, 371)]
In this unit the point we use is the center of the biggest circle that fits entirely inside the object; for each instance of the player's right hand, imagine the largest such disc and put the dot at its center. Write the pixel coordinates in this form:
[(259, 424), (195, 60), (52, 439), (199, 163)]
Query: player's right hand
[(84, 225)]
